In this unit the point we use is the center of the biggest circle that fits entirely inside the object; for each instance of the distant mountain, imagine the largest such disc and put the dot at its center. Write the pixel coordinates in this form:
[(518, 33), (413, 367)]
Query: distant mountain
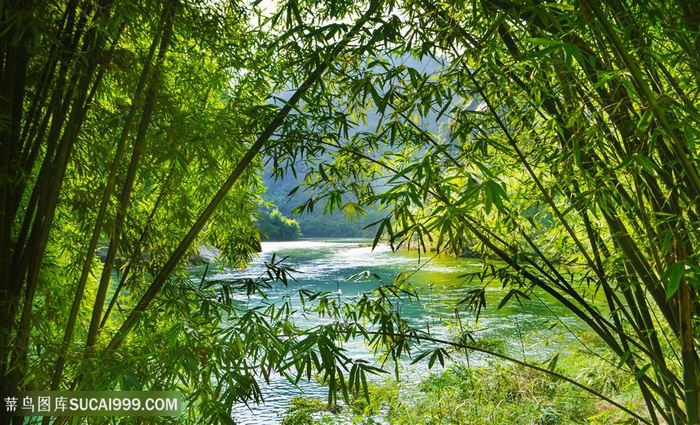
[(315, 224), (318, 224)]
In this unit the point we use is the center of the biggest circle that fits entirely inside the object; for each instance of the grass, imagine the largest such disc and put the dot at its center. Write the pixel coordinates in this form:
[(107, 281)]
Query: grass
[(498, 394)]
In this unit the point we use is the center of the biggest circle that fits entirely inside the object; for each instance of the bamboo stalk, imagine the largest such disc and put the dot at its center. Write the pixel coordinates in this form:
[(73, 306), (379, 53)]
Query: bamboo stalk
[(169, 11), (247, 159)]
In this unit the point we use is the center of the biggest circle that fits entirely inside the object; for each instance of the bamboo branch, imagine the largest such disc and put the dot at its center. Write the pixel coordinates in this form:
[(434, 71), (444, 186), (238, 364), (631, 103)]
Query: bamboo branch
[(247, 159)]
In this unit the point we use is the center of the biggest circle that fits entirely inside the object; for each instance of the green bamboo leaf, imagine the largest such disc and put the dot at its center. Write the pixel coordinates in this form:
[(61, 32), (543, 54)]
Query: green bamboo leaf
[(623, 359), (376, 97), (433, 358), (380, 231), (441, 356), (644, 122), (642, 371), (505, 299), (420, 356), (552, 363), (343, 385), (546, 50), (673, 275), (647, 164), (572, 51)]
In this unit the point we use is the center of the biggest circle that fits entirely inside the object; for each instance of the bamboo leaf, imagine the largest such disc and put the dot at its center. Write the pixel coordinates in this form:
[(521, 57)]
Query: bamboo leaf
[(673, 275), (644, 122)]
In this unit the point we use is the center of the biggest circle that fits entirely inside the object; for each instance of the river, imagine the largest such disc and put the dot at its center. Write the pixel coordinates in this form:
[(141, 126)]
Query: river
[(526, 331)]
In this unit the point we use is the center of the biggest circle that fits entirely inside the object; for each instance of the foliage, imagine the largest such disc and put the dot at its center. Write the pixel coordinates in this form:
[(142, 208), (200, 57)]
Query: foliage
[(498, 394), (318, 224), (570, 139), (303, 410), (137, 125), (276, 227), (564, 134)]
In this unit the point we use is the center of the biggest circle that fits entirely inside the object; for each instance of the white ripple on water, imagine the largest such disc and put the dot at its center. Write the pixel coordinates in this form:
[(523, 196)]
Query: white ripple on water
[(278, 394)]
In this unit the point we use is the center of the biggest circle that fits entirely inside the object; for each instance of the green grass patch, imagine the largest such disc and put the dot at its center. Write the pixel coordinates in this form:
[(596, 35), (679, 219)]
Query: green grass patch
[(498, 394)]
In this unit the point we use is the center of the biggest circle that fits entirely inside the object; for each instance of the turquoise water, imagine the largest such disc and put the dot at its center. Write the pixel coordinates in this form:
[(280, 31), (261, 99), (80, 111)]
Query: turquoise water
[(525, 332)]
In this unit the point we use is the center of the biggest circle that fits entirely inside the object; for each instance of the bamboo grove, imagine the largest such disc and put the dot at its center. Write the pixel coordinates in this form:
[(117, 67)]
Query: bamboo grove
[(557, 140)]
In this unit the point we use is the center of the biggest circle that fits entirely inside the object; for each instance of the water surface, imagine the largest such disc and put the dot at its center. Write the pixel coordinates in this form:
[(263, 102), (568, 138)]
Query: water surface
[(525, 332)]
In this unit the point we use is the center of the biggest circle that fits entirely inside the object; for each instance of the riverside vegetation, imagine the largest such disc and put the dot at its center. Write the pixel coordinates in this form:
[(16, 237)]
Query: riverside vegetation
[(499, 393), (544, 137), (463, 394)]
